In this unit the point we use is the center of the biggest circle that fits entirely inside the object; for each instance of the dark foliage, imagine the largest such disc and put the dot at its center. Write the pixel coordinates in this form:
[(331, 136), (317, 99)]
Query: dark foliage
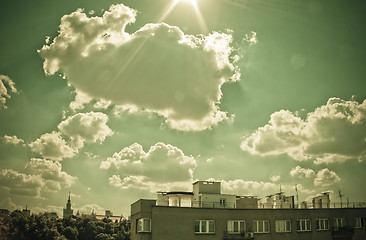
[(20, 225)]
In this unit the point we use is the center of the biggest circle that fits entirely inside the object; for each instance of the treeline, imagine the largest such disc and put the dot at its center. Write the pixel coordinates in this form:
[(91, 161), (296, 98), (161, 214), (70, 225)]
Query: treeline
[(20, 225)]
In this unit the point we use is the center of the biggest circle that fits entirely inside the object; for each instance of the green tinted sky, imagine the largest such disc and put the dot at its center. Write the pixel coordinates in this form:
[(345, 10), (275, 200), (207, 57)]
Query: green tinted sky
[(173, 110)]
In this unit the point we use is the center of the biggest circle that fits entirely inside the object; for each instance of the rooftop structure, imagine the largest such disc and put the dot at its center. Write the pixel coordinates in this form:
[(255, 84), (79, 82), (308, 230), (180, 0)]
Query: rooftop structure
[(206, 213)]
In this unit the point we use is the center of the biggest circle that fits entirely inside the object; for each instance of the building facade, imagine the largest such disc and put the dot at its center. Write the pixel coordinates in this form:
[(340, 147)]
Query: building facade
[(206, 214)]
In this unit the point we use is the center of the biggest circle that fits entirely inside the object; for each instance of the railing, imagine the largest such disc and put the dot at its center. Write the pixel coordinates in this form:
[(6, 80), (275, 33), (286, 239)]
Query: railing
[(208, 204), (314, 206), (242, 235)]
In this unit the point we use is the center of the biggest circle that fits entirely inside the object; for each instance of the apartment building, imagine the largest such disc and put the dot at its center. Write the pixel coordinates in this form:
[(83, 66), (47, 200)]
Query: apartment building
[(205, 214)]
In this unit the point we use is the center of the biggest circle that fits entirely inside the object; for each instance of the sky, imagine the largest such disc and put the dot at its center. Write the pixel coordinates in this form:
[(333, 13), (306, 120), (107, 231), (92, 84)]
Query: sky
[(116, 100)]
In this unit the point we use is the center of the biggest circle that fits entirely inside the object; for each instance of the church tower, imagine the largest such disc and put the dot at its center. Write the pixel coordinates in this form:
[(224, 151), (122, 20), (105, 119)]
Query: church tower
[(68, 211)]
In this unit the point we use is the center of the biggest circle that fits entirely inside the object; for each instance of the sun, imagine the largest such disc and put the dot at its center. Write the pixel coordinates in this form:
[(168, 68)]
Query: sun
[(192, 2)]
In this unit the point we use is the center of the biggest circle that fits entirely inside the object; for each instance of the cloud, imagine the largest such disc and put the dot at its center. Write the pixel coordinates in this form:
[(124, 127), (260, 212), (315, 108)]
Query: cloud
[(158, 68), (325, 177), (40, 175), (243, 187), (12, 140), (21, 183), (334, 132), (8, 203), (90, 208), (80, 100), (6, 86), (162, 167), (85, 127), (275, 178), (51, 172), (52, 146), (302, 172)]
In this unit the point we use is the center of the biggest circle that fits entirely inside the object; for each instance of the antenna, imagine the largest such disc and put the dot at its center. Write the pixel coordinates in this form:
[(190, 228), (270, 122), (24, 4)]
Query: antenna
[(297, 196), (340, 196)]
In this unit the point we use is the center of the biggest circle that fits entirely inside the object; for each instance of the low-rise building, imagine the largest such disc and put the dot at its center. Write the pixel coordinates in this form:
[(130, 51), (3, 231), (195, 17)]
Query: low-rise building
[(205, 214)]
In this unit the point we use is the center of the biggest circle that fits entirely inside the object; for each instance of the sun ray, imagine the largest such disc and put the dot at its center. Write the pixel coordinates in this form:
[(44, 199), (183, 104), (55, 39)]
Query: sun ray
[(197, 11)]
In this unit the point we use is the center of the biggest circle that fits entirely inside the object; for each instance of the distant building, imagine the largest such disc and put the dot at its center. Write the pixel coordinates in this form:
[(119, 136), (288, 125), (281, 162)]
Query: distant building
[(68, 212), (207, 214), (4, 211), (26, 210)]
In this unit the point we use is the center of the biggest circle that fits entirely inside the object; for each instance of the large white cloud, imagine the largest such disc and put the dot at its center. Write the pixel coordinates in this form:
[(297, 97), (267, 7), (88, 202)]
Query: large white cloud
[(334, 132), (85, 127), (163, 167), (51, 172), (325, 177), (52, 146), (6, 87), (40, 175), (21, 183), (157, 68)]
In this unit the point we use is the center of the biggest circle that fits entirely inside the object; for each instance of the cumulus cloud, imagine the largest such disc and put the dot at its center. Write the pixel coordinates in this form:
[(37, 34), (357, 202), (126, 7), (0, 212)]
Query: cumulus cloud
[(85, 127), (21, 183), (91, 208), (7, 86), (325, 177), (80, 100), (244, 187), (52, 146), (8, 203), (12, 140), (51, 172), (158, 68), (162, 167), (302, 172), (334, 132), (40, 175), (275, 178)]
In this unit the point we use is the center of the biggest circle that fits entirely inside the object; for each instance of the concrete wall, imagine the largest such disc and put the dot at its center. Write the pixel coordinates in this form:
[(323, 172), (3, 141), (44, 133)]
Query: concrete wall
[(141, 209), (178, 223)]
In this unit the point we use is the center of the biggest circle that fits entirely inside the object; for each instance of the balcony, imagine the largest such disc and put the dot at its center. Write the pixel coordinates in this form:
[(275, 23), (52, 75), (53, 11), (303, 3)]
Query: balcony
[(238, 236)]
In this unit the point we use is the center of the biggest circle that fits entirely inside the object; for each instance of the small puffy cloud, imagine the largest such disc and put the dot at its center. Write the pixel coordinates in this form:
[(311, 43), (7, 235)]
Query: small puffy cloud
[(21, 183), (186, 89), (52, 146), (335, 132), (12, 140), (302, 172), (163, 166), (275, 178), (85, 127), (325, 177), (7, 86), (51, 172)]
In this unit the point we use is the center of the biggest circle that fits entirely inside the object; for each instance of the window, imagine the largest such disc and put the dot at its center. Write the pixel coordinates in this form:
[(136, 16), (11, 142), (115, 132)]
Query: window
[(283, 226), (359, 222), (223, 201), (236, 226), (144, 225), (322, 224), (303, 225), (261, 226), (339, 222), (204, 226)]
